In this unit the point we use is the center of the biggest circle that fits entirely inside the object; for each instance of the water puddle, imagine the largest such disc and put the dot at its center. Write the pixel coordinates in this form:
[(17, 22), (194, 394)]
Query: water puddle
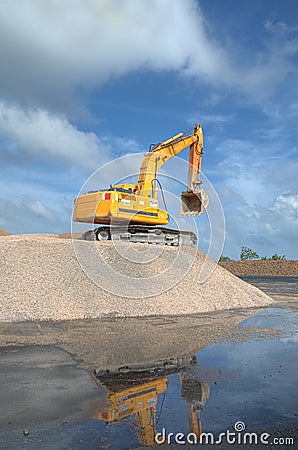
[(252, 383)]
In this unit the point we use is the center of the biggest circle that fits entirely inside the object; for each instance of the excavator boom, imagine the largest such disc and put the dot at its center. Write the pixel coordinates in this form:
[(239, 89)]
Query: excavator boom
[(194, 200)]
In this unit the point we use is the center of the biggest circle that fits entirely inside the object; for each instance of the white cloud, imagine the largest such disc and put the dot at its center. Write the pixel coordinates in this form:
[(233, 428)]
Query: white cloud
[(213, 119), (251, 168), (37, 208), (258, 196), (35, 216), (287, 203), (270, 229), (218, 118), (36, 134), (262, 227), (49, 49)]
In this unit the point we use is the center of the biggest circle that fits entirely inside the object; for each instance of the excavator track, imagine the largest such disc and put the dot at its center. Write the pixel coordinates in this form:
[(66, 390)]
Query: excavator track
[(147, 370), (143, 234)]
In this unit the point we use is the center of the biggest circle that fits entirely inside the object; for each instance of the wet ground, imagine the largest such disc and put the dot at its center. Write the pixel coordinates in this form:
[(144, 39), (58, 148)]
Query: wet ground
[(281, 288), (117, 383)]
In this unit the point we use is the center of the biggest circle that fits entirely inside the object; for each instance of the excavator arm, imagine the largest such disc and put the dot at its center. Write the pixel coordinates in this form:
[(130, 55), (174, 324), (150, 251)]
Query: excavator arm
[(194, 200)]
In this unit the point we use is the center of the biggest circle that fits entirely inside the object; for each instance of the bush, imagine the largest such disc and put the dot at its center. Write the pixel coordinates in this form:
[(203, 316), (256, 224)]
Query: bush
[(224, 259), (276, 257), (248, 253)]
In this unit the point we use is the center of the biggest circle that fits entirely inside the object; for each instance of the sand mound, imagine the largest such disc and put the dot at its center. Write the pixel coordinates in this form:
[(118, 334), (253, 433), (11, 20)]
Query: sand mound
[(4, 232), (41, 279), (69, 235)]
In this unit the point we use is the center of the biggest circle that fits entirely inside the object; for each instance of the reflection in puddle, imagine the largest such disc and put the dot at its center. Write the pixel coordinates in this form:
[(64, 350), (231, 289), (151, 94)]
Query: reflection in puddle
[(219, 384), (274, 318), (224, 383), (137, 392)]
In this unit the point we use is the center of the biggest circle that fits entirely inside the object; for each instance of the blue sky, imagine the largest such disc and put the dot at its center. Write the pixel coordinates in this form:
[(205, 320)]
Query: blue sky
[(84, 82)]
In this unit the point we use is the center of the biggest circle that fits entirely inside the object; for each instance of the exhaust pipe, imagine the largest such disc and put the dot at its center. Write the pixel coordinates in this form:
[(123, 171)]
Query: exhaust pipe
[(194, 203)]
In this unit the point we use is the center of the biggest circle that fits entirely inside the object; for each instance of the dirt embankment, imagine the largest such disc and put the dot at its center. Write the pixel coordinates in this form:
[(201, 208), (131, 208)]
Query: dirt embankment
[(282, 268)]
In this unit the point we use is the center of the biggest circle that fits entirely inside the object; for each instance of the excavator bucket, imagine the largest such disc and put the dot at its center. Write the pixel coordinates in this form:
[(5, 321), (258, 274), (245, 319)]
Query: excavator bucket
[(194, 203)]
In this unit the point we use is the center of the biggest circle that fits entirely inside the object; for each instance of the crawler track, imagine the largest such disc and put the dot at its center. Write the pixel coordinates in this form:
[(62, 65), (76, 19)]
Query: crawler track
[(144, 234)]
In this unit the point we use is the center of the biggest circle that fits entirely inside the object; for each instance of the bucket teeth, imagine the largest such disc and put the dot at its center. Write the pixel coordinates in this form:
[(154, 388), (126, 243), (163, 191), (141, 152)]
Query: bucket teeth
[(194, 203)]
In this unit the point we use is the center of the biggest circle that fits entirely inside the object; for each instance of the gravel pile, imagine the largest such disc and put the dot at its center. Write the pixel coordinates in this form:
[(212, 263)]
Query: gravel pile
[(281, 268), (41, 279), (4, 232)]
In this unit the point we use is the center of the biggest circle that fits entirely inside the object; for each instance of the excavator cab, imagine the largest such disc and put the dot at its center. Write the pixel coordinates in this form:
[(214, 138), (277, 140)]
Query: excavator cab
[(193, 203)]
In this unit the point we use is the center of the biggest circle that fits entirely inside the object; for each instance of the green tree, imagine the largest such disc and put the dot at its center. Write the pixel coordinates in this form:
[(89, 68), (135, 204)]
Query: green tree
[(248, 253), (276, 257), (264, 258), (224, 259)]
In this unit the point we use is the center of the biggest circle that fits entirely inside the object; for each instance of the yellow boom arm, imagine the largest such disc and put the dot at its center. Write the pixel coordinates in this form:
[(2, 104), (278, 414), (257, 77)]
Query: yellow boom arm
[(164, 151), (194, 200)]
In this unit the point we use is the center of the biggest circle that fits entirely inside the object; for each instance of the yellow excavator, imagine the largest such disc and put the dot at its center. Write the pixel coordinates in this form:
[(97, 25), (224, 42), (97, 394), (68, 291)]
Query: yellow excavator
[(131, 212), (139, 401)]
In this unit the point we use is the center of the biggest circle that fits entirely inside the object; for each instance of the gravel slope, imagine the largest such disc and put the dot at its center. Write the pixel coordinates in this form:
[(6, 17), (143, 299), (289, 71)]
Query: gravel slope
[(4, 232), (41, 279)]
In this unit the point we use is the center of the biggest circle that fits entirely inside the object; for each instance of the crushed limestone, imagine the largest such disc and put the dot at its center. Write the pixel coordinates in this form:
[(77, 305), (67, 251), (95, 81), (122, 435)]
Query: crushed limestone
[(41, 279)]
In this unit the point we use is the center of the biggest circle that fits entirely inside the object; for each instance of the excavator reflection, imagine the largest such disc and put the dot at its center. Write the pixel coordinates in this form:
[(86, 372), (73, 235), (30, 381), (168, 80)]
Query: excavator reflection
[(136, 391)]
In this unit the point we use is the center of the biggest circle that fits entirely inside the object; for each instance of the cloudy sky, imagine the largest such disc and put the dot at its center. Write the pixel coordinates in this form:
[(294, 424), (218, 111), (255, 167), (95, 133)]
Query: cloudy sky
[(83, 82)]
